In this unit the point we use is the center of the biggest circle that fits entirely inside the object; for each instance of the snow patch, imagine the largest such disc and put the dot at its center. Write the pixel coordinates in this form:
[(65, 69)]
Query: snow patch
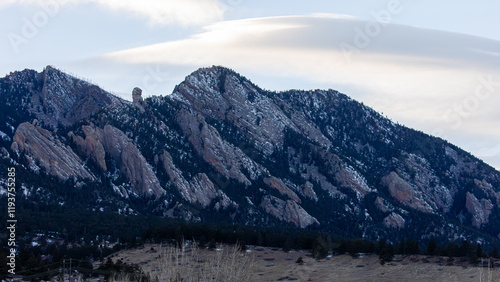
[(4, 136)]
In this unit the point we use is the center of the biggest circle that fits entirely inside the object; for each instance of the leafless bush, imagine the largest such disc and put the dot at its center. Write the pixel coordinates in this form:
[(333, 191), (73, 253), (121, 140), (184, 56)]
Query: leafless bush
[(187, 263)]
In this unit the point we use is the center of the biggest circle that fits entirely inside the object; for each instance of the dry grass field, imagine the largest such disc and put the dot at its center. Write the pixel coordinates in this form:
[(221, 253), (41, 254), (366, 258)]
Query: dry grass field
[(267, 264)]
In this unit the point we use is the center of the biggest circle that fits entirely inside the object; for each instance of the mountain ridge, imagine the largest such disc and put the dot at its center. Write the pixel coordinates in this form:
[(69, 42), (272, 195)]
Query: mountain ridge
[(220, 147)]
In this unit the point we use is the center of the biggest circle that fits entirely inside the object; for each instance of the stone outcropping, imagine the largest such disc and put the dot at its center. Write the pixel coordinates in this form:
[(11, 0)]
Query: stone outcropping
[(91, 146), (227, 159), (42, 150), (288, 211), (218, 93), (395, 221), (65, 99), (125, 154), (404, 193), (137, 100), (308, 191), (303, 157), (382, 205), (199, 190), (277, 184), (479, 209)]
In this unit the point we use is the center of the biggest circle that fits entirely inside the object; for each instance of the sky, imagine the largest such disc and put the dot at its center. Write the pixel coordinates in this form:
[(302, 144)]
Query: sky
[(433, 66)]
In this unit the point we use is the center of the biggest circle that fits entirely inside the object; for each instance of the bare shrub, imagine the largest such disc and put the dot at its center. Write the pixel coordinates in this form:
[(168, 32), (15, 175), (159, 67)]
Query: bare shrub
[(187, 263)]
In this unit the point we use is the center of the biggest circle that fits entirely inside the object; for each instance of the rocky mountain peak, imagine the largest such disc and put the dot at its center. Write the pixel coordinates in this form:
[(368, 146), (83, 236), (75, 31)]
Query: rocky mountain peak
[(213, 81), (221, 148), (214, 72), (65, 99)]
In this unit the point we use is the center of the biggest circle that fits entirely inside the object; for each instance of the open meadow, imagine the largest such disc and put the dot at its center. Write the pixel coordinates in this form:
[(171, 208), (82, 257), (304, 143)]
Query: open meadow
[(226, 263)]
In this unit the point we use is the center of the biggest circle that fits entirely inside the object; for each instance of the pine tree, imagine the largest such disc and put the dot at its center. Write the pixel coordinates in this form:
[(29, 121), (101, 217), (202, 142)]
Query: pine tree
[(494, 253), (452, 250), (321, 248), (343, 246), (431, 247), (386, 254), (401, 247), (474, 254), (288, 245), (479, 251), (380, 245), (412, 247), (465, 249)]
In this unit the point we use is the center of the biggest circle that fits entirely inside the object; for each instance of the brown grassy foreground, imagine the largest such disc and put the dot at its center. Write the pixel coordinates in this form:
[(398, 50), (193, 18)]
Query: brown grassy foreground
[(166, 263)]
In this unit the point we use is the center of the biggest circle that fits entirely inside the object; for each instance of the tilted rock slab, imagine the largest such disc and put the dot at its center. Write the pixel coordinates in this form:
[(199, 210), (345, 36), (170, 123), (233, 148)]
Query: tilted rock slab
[(288, 211), (128, 158), (199, 190), (479, 209), (43, 150)]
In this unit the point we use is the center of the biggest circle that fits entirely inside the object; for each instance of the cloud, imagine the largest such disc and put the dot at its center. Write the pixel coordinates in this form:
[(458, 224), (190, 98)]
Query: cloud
[(399, 58), (423, 78), (156, 12)]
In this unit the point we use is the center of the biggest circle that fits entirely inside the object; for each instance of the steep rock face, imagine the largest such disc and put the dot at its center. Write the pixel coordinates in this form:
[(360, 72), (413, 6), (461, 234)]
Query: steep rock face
[(277, 184), (345, 175), (199, 190), (91, 146), (219, 93), (125, 154), (64, 99), (131, 161), (395, 221), (382, 205), (479, 209), (312, 172), (488, 189), (137, 100), (434, 193), (227, 159), (349, 177), (308, 191), (288, 211), (302, 157), (42, 149), (405, 193)]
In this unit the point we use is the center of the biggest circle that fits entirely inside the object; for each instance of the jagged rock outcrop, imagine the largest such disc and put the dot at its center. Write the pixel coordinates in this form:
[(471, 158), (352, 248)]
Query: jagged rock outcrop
[(4, 153), (382, 205), (199, 190), (479, 209), (227, 159), (131, 162), (345, 175), (437, 195), (312, 172), (405, 193), (288, 211), (137, 100), (221, 148), (123, 151), (42, 150), (395, 221), (488, 188), (64, 100), (349, 177), (308, 191), (277, 184), (91, 146), (218, 93)]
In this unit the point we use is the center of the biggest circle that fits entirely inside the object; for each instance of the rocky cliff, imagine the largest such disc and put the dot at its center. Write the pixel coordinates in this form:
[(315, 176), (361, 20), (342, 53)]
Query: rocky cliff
[(220, 148), (42, 150)]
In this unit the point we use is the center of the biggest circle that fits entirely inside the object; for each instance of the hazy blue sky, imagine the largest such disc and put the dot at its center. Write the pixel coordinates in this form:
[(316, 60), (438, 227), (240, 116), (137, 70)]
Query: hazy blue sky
[(430, 65)]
